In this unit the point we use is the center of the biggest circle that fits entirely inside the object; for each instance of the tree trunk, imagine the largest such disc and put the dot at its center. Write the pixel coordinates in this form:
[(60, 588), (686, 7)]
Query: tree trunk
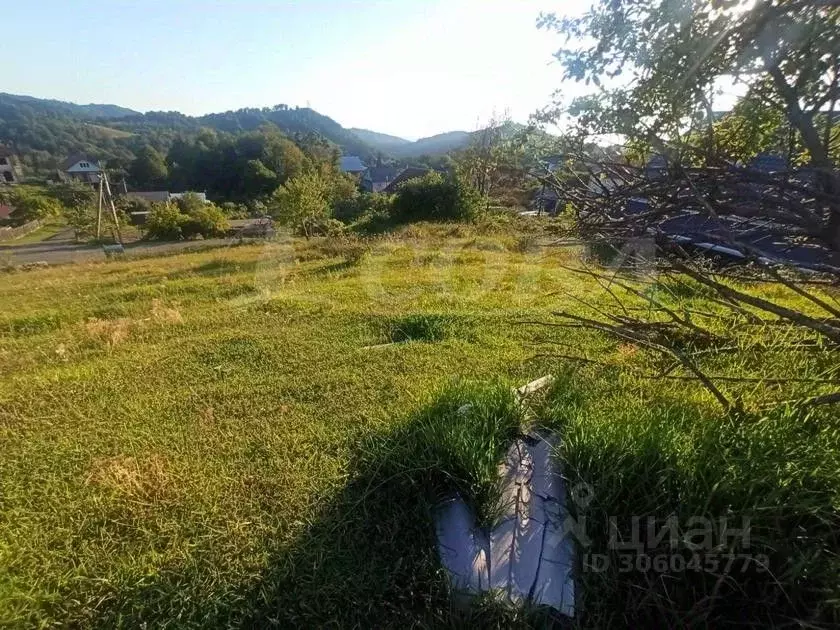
[(820, 159)]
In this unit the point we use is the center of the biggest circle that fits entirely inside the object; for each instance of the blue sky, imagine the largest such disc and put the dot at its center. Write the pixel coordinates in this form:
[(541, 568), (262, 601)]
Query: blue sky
[(407, 67)]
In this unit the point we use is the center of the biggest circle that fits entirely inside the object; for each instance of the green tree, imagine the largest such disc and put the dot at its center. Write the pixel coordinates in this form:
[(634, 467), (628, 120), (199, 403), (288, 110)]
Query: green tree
[(259, 179), (82, 219), (190, 203), (208, 221), (301, 202), (75, 194), (656, 64), (149, 169), (166, 222), (435, 198), (31, 203)]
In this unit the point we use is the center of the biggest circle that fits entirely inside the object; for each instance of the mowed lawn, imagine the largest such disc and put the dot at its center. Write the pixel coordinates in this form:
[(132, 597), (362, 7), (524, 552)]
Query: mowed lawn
[(219, 438)]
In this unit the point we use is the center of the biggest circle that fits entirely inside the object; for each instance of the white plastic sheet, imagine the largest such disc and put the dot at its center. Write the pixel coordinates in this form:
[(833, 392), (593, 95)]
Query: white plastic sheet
[(526, 556)]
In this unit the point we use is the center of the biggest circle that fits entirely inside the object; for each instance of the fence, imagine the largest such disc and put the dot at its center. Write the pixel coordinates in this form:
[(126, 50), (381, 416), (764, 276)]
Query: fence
[(11, 233)]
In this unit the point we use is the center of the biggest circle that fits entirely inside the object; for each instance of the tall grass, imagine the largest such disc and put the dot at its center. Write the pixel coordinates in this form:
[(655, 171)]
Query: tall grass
[(656, 456)]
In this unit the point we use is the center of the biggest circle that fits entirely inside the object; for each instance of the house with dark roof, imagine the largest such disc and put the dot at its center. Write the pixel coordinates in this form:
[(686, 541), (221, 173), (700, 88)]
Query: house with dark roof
[(377, 178), (352, 164), (7, 166), (81, 168), (411, 172)]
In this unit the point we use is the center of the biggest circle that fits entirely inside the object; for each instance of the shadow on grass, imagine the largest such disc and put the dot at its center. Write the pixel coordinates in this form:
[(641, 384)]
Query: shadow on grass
[(777, 477), (369, 557)]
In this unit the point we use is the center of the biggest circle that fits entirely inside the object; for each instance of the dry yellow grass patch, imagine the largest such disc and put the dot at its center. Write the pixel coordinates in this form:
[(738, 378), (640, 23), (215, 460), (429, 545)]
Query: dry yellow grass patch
[(165, 314), (109, 332), (145, 480)]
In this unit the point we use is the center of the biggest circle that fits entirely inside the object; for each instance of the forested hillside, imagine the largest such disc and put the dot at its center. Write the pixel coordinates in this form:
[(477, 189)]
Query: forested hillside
[(44, 132), (380, 141)]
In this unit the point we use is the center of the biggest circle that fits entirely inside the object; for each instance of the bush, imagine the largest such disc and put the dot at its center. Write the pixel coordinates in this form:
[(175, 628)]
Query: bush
[(188, 203), (323, 226), (207, 221), (166, 222), (435, 198), (302, 202), (74, 195), (235, 210), (30, 203), (363, 208)]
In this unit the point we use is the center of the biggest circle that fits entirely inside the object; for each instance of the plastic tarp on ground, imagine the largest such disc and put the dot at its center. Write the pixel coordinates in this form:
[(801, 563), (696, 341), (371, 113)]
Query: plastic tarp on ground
[(527, 555)]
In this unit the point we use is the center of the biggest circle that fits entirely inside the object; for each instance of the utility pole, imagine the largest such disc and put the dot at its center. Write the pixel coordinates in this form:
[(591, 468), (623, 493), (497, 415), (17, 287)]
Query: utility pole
[(105, 195)]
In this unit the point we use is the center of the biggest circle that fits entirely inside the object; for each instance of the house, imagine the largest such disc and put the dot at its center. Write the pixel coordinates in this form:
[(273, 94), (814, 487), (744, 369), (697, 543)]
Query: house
[(411, 172), (352, 164), (7, 166), (81, 168), (377, 178)]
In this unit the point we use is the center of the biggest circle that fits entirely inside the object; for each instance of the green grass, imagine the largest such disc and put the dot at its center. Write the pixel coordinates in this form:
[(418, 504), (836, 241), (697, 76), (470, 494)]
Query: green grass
[(221, 439), (36, 236)]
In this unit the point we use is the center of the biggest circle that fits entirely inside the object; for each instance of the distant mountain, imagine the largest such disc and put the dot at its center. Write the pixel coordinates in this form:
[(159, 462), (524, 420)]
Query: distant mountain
[(440, 144), (380, 141), (292, 121), (44, 131), (406, 149), (92, 110)]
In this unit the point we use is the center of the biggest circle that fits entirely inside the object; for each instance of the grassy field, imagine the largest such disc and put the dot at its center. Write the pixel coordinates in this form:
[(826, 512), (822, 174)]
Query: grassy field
[(256, 436), (41, 234)]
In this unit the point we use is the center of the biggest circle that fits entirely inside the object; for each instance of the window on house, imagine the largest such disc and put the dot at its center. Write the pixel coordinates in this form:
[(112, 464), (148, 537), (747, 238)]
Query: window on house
[(3, 161), (84, 164), (8, 176)]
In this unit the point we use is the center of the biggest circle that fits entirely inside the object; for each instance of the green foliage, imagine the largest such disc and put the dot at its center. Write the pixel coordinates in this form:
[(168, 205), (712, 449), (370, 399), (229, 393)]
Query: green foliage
[(259, 179), (777, 472), (186, 217), (129, 204), (74, 194), (326, 226), (207, 221), (148, 171), (676, 52), (30, 203), (82, 219), (494, 162), (362, 206), (235, 167), (305, 202), (302, 201), (750, 129), (435, 198), (234, 210), (419, 327), (221, 506), (165, 222), (189, 203)]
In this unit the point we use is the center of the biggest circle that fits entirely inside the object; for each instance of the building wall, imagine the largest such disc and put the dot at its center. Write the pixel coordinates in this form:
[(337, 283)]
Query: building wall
[(7, 171), (89, 177)]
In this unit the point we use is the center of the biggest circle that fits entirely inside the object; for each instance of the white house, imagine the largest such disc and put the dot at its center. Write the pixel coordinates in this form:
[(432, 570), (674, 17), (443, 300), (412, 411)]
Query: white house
[(81, 168)]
